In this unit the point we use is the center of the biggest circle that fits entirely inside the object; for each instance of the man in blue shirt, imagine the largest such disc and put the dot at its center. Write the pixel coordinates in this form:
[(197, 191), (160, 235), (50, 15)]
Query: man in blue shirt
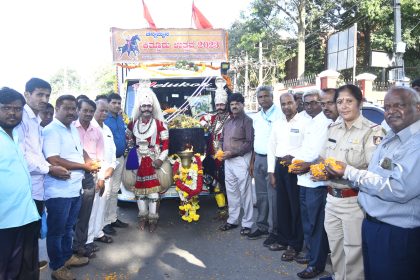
[(266, 220), (18, 211), (116, 123), (390, 194)]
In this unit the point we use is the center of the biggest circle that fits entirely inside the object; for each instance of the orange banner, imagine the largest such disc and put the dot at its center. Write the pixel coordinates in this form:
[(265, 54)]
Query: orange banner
[(146, 45)]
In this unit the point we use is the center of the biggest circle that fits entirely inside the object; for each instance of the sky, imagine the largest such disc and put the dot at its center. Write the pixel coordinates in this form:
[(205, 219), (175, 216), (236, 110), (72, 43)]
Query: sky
[(37, 38)]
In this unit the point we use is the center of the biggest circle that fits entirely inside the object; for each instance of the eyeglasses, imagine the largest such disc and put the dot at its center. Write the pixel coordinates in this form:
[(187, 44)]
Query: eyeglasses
[(328, 103), (312, 103), (8, 109)]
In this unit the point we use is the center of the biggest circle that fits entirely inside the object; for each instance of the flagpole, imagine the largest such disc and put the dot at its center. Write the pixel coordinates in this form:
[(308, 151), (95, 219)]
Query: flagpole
[(192, 12)]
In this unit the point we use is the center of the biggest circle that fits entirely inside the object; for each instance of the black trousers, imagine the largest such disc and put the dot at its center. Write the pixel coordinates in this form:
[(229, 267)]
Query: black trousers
[(290, 230), (82, 225), (390, 252), (312, 208), (17, 259)]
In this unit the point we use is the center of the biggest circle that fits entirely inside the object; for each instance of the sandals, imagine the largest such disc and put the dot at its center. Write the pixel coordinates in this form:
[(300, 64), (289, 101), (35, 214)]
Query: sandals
[(245, 231), (104, 239), (289, 255), (227, 226)]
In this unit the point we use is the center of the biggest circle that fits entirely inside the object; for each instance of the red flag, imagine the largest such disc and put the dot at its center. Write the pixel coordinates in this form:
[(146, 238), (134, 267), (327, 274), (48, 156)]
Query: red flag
[(148, 17), (199, 19)]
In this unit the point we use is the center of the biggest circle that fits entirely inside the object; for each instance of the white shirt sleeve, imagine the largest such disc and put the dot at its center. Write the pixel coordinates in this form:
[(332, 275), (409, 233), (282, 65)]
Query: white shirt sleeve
[(271, 149), (37, 165), (51, 145)]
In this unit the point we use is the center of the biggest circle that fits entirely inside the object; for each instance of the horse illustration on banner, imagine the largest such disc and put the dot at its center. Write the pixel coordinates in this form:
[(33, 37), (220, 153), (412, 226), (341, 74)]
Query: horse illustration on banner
[(130, 46)]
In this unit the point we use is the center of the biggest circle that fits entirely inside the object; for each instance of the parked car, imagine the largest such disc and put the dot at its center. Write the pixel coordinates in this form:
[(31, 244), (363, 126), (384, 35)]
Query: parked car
[(373, 112)]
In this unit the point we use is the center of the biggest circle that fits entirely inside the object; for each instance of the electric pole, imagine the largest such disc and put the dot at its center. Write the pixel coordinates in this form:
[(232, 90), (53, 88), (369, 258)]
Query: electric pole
[(246, 75), (399, 46), (260, 60)]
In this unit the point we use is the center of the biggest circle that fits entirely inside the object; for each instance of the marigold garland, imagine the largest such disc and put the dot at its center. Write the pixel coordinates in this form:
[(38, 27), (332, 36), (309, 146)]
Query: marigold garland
[(318, 170), (293, 165), (333, 163), (189, 183), (219, 155)]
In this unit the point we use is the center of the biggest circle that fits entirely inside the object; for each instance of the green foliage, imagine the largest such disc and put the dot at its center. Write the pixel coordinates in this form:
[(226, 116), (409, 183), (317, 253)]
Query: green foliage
[(375, 20), (104, 80), (65, 80), (269, 21), (261, 23)]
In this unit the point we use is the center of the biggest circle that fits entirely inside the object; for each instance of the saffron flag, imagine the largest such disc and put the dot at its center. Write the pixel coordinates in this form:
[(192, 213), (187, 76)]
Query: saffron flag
[(148, 17), (199, 19)]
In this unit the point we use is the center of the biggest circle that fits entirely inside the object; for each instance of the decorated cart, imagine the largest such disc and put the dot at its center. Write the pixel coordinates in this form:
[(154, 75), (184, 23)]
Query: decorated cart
[(181, 67)]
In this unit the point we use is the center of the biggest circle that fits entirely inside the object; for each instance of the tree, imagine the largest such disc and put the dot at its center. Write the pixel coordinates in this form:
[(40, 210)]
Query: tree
[(105, 80), (376, 28), (302, 15), (65, 81), (261, 24)]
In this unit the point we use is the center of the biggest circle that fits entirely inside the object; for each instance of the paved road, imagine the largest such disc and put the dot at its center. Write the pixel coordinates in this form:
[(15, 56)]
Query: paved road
[(180, 251)]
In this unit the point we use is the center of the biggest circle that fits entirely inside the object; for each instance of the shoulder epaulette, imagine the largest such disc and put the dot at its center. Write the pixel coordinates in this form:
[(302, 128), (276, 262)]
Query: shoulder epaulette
[(334, 124), (375, 127)]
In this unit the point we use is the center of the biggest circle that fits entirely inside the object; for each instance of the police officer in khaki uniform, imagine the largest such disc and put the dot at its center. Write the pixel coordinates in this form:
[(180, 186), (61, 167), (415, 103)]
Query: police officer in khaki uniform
[(352, 140)]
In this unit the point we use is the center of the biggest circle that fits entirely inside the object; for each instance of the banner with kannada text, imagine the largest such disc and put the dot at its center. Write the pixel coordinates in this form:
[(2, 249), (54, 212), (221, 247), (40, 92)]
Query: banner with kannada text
[(146, 45)]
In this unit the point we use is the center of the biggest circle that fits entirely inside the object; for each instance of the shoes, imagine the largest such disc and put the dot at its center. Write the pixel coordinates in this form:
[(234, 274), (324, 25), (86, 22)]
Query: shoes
[(227, 226), (119, 224), (62, 273), (302, 259), (257, 234), (289, 255), (92, 247), (245, 231), (87, 251), (42, 264), (277, 247), (271, 239), (108, 229), (309, 273), (76, 261)]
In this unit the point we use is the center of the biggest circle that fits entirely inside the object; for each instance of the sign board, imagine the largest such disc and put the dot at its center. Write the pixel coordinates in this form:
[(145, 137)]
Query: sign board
[(380, 59), (149, 45), (342, 49)]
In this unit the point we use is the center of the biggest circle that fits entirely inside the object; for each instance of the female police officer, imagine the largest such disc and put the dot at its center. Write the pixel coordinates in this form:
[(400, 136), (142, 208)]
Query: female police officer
[(352, 139)]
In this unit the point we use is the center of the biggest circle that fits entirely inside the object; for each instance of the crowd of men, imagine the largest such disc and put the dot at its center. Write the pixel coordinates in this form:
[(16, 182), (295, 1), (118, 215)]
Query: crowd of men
[(365, 212), (71, 165)]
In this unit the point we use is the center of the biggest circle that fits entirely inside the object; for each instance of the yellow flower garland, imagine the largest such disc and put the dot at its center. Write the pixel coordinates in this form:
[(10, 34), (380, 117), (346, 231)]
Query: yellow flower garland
[(189, 178)]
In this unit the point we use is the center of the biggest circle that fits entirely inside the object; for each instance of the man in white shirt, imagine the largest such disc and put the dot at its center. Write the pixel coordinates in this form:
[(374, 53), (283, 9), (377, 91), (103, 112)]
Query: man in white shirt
[(312, 194), (96, 222), (62, 146), (266, 219), (37, 94), (284, 142)]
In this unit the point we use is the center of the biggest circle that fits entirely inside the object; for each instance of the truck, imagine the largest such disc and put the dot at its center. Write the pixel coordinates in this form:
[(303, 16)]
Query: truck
[(172, 86)]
